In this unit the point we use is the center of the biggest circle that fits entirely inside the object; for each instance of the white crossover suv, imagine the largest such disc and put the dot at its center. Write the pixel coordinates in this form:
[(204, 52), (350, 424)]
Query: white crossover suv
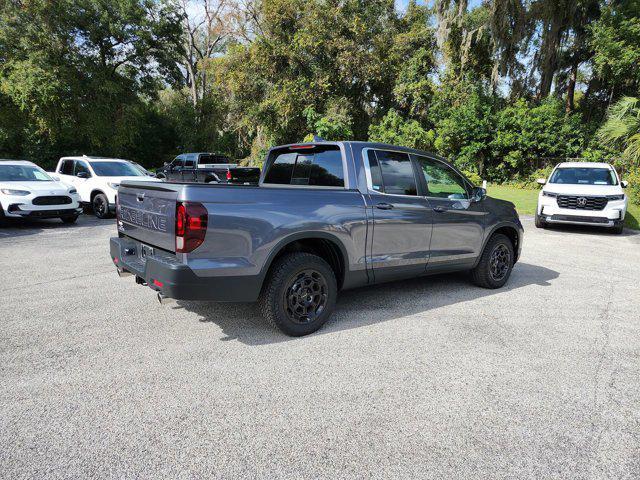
[(583, 193), (97, 180), (27, 191)]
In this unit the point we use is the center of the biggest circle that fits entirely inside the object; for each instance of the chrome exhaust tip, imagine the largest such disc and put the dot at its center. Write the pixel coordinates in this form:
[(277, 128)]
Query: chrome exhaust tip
[(164, 300)]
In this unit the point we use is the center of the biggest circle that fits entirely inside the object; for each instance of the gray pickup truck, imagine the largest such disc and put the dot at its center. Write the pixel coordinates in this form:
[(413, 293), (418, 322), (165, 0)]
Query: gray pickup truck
[(325, 216)]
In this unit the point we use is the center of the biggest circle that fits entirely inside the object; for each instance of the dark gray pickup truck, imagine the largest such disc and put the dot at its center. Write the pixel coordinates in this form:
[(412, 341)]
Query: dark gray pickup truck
[(324, 217)]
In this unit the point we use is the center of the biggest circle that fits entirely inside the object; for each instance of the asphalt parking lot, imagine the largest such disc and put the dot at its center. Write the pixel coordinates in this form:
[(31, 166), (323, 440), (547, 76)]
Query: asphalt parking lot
[(430, 378)]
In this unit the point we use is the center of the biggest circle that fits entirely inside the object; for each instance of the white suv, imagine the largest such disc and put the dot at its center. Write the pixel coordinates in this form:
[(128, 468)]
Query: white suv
[(582, 193), (27, 191), (97, 180)]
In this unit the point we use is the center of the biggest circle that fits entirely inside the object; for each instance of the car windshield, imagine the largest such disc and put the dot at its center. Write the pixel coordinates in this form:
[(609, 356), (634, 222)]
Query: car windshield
[(584, 176), (23, 173), (115, 169)]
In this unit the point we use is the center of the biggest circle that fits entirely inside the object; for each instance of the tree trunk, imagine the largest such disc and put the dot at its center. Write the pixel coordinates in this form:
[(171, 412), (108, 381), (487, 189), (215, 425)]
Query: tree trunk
[(571, 86)]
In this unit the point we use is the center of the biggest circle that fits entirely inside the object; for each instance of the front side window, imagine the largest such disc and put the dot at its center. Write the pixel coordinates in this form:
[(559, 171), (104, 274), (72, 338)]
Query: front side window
[(442, 180), (391, 173), (23, 173), (584, 176), (81, 167), (115, 169), (320, 166)]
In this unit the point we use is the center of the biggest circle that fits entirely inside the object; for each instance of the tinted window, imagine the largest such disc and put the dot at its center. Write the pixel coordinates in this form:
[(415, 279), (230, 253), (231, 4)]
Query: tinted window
[(320, 167), (397, 173), (281, 169), (209, 158), (442, 180), (67, 167), (327, 169), (115, 169), (584, 176), (376, 174), (190, 163)]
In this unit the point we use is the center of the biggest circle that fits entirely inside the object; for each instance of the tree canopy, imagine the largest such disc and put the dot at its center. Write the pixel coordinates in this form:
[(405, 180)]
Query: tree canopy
[(494, 86)]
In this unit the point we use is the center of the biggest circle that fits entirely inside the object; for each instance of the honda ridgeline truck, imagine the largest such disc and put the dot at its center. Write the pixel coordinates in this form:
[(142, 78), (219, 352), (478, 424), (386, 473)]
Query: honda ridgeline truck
[(324, 217)]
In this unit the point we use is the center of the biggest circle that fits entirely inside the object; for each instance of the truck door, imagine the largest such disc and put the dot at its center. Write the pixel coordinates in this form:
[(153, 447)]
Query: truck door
[(175, 169), (189, 171), (458, 221), (402, 219)]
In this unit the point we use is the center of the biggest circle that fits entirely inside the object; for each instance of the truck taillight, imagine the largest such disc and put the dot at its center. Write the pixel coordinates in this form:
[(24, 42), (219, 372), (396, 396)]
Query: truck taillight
[(191, 226), (228, 175)]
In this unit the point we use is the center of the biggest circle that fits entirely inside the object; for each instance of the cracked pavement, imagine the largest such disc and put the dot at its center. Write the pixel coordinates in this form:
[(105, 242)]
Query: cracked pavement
[(429, 378)]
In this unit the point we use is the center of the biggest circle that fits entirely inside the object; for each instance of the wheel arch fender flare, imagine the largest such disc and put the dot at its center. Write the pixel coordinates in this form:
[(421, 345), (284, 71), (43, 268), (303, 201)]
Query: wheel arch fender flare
[(514, 233), (300, 236)]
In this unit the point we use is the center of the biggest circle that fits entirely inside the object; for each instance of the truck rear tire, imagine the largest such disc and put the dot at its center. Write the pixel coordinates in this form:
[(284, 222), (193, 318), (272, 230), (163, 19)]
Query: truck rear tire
[(299, 294), (495, 265)]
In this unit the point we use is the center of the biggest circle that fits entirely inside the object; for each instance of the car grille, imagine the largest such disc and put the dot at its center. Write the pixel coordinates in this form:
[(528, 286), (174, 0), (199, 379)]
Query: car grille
[(52, 200), (578, 202)]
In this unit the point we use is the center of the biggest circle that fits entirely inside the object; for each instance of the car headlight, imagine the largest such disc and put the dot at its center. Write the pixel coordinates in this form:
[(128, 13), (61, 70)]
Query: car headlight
[(113, 185), (549, 194), (615, 197), (72, 191), (20, 193)]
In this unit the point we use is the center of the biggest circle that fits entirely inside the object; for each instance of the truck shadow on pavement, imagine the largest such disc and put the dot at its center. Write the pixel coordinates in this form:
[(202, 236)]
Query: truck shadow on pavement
[(368, 305)]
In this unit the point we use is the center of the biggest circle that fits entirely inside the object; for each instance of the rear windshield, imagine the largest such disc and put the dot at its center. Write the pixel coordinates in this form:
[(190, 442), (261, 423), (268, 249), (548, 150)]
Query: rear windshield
[(319, 166), (23, 173), (209, 158), (584, 176), (115, 169)]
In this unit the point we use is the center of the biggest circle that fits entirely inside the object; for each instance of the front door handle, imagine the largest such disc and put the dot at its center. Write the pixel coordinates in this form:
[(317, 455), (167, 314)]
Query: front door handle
[(439, 209), (384, 206)]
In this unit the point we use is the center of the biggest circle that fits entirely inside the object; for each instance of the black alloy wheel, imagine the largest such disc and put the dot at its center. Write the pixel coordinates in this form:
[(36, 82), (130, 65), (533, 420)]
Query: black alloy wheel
[(500, 262), (100, 206), (305, 297)]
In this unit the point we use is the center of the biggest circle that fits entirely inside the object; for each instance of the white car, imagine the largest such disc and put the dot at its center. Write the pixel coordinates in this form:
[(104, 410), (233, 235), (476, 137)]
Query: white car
[(582, 193), (97, 180), (27, 191)]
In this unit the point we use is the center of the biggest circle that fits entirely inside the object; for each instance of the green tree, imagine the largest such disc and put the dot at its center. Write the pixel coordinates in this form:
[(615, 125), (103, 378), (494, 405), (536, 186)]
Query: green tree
[(621, 131), (395, 130)]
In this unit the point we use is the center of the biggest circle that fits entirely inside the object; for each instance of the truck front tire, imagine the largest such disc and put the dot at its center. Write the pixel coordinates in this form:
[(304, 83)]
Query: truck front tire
[(495, 265), (100, 204), (299, 294)]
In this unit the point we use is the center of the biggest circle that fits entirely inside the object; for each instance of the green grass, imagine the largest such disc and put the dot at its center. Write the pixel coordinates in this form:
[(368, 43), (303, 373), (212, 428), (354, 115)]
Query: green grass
[(527, 200)]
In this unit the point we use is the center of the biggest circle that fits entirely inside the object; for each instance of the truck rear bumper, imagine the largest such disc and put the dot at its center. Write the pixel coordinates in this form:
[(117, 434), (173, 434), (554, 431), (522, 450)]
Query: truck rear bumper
[(164, 273)]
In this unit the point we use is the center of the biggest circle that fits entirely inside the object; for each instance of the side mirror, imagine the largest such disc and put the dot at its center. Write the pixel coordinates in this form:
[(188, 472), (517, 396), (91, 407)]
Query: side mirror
[(478, 194), (82, 175), (542, 181), (624, 184), (166, 163)]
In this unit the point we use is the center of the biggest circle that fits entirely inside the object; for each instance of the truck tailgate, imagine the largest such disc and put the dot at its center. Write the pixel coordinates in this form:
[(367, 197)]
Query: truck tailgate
[(147, 212)]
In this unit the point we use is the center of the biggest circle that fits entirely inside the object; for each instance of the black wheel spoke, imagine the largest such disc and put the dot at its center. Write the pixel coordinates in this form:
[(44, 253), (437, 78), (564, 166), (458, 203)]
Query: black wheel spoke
[(499, 262), (305, 297)]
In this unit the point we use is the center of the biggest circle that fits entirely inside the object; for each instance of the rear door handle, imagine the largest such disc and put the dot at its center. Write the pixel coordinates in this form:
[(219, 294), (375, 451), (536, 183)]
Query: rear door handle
[(384, 206), (439, 209)]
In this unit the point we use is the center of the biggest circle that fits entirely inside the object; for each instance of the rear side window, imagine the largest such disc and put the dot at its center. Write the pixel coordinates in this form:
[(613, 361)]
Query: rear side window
[(320, 167), (189, 163), (67, 167), (392, 173)]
